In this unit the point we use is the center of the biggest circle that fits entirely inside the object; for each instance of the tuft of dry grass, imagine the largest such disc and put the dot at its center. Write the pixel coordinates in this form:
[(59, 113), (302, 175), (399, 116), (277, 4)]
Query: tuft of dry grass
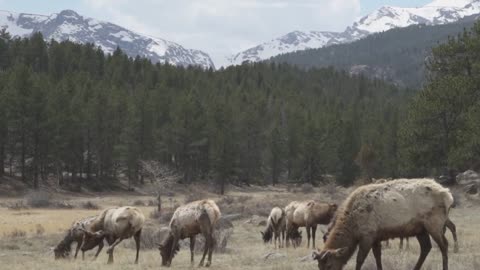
[(16, 233), (90, 205)]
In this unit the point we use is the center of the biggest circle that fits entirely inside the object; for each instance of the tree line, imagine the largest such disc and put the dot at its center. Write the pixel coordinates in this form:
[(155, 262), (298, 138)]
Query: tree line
[(71, 113)]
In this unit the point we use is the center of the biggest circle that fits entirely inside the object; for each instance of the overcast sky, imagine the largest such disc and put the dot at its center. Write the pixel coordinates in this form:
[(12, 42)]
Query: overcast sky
[(218, 27)]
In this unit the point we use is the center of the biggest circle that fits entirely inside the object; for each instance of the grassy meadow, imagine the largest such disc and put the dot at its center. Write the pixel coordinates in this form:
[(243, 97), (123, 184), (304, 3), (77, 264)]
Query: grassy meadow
[(27, 235)]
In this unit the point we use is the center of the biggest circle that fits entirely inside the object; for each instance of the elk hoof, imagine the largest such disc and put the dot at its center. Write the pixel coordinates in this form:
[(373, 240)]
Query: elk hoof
[(208, 264)]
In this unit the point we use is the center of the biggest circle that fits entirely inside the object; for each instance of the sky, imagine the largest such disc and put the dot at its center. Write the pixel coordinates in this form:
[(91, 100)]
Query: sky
[(219, 27)]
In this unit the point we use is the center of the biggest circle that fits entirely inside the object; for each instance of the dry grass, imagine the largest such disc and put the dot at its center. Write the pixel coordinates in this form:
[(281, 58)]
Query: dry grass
[(245, 249)]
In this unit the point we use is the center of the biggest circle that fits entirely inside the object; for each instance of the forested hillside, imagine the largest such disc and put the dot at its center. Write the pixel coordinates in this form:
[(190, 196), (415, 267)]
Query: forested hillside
[(443, 124), (68, 111), (397, 56)]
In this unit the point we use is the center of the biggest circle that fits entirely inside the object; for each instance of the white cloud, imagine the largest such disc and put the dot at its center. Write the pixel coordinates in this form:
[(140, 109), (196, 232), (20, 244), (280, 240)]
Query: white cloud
[(224, 27)]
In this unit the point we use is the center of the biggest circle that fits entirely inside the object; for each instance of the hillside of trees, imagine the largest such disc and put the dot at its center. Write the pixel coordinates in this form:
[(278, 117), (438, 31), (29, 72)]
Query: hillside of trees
[(442, 128), (397, 56), (70, 112)]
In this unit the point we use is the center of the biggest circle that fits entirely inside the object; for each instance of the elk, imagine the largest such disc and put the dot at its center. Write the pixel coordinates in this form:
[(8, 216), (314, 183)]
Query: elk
[(377, 212), (115, 225), (76, 234), (275, 227), (198, 217), (309, 214)]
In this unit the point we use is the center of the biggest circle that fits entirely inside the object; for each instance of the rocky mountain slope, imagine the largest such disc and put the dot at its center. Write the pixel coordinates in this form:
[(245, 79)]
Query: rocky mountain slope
[(70, 25), (383, 19)]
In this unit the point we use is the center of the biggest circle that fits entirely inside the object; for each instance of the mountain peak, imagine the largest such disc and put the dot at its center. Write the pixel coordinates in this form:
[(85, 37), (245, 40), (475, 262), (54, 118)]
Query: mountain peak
[(69, 25), (381, 19), (69, 13)]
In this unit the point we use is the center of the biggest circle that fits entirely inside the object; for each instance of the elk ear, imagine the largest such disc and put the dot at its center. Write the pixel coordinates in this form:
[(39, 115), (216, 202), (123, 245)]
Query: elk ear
[(341, 252), (262, 233)]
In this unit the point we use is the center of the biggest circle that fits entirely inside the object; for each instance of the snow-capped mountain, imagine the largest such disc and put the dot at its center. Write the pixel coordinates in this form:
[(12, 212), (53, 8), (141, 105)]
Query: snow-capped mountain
[(69, 25), (382, 19)]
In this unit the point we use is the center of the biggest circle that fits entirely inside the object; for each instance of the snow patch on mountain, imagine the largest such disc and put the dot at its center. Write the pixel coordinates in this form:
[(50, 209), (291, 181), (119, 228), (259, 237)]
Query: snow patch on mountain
[(69, 25), (382, 19)]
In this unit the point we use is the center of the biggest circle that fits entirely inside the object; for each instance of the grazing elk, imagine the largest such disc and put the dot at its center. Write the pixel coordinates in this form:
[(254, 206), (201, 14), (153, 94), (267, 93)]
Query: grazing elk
[(377, 212), (275, 227), (115, 225), (309, 214), (292, 235), (199, 217), (76, 234)]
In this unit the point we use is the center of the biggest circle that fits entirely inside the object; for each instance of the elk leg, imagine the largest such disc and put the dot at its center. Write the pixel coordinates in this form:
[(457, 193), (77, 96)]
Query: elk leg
[(377, 253), (287, 235), (425, 247), (307, 228), (408, 243), (79, 244), (136, 237), (314, 232), (100, 247), (450, 225), (111, 248), (192, 248), (210, 251), (205, 250), (401, 243), (363, 250), (442, 243)]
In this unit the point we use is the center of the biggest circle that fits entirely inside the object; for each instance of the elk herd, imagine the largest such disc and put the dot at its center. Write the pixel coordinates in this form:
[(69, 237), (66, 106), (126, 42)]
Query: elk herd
[(371, 214)]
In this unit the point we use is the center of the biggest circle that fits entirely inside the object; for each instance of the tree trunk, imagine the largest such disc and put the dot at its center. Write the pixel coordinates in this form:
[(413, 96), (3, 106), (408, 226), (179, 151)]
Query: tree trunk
[(23, 154), (35, 161), (2, 159)]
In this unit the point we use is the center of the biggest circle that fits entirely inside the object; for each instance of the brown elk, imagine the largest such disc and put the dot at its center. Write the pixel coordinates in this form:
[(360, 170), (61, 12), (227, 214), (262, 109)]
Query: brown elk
[(76, 234), (275, 227), (115, 225), (377, 212), (199, 217), (309, 214)]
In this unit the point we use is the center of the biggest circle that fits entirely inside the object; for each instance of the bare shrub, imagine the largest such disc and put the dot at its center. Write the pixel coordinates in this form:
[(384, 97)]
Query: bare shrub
[(150, 238), (90, 205), (162, 217), (38, 199), (152, 203), (243, 199), (138, 203), (16, 233), (306, 188), (155, 214), (226, 200), (62, 205), (18, 205), (39, 230)]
